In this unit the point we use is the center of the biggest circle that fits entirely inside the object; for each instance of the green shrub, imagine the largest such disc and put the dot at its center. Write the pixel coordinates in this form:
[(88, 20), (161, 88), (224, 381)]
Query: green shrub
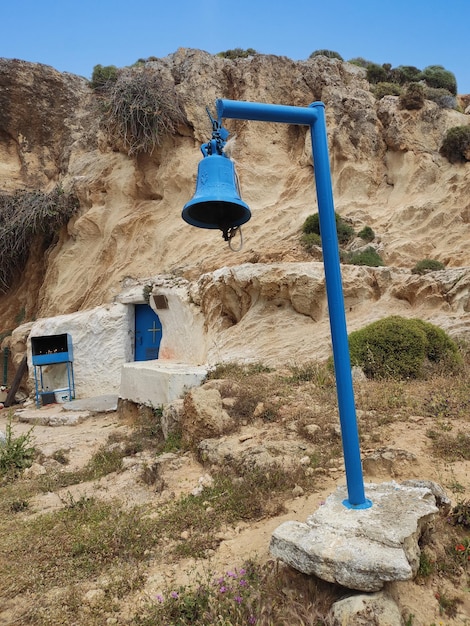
[(456, 145), (142, 107), (369, 257), (406, 74), (16, 453), (312, 224), (367, 234), (237, 53), (310, 241), (440, 347), (437, 76), (400, 348), (344, 230), (102, 75), (386, 89), (331, 54), (360, 62), (412, 97), (441, 97), (377, 74), (427, 265)]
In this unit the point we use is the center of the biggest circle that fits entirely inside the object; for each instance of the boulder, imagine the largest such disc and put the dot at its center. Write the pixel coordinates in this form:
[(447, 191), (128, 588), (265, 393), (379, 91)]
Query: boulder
[(360, 548), (172, 415), (204, 416), (366, 610)]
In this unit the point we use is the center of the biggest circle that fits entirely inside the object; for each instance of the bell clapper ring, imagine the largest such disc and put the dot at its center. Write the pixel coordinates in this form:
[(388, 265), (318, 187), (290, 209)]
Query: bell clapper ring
[(230, 234)]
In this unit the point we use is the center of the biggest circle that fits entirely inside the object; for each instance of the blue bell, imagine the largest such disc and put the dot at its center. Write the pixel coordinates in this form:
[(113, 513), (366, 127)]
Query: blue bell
[(216, 202)]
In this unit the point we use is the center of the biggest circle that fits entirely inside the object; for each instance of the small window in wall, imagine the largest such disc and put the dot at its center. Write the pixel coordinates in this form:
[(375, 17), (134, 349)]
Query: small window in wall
[(160, 301)]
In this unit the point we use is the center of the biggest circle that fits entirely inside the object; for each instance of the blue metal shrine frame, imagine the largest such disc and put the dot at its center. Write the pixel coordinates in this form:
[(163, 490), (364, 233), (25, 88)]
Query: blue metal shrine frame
[(314, 116)]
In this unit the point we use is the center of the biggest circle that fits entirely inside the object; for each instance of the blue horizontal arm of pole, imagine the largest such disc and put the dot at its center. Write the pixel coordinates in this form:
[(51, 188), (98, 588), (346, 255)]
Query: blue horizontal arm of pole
[(261, 112)]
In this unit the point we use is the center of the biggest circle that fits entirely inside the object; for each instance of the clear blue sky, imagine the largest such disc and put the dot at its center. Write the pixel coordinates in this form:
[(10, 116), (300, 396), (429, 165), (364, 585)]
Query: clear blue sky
[(75, 35)]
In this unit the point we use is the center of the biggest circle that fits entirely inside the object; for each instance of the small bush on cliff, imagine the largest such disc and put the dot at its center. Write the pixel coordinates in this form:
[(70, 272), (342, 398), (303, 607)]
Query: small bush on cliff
[(456, 145), (344, 230), (427, 265), (331, 54), (24, 216), (141, 108), (400, 348), (102, 75), (310, 241), (412, 98), (434, 76), (378, 73), (404, 74), (386, 89), (237, 53), (360, 62), (437, 76), (442, 97), (367, 234), (369, 257)]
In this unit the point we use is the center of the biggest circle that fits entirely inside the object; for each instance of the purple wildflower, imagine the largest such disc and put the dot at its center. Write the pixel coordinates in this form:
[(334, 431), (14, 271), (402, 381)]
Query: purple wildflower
[(238, 599), (174, 594), (243, 583), (160, 598)]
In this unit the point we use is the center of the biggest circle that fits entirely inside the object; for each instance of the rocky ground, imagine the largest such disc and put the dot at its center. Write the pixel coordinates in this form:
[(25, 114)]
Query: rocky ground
[(391, 450)]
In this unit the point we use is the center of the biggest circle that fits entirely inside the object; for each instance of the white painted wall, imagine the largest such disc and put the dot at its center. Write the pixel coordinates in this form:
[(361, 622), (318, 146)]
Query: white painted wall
[(183, 334), (102, 341)]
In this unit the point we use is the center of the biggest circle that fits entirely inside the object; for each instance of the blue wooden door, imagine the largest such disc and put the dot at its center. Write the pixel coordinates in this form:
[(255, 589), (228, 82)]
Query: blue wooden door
[(148, 333)]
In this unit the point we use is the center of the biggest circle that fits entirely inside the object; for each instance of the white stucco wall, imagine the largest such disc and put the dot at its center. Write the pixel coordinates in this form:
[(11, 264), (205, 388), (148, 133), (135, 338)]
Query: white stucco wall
[(184, 338), (183, 334), (102, 341)]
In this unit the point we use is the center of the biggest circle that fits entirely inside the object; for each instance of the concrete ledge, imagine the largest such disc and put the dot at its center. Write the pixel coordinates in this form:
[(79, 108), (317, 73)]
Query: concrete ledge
[(154, 383)]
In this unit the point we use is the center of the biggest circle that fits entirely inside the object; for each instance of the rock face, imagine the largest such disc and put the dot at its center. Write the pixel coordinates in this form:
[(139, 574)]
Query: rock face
[(386, 169), (204, 415)]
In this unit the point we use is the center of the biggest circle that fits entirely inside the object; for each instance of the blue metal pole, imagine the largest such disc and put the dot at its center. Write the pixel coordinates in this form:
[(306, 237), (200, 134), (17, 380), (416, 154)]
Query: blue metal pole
[(314, 116), (339, 334)]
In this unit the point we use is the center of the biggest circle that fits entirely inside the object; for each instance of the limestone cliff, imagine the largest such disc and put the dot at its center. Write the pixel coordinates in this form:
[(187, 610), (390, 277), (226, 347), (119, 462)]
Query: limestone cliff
[(386, 168)]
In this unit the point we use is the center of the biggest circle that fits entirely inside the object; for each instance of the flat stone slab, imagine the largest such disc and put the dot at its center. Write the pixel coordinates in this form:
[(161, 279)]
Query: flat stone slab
[(51, 415), (67, 413), (360, 548), (97, 404)]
